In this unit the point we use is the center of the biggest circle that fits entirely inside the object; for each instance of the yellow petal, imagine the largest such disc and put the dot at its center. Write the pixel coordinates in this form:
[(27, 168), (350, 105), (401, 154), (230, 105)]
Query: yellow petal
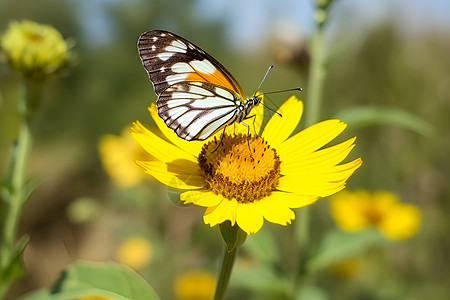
[(402, 222), (225, 210), (278, 129), (253, 123), (349, 209), (158, 147), (117, 154), (203, 198), (180, 174), (292, 200), (310, 139), (249, 217), (192, 147), (318, 181), (275, 211), (324, 158)]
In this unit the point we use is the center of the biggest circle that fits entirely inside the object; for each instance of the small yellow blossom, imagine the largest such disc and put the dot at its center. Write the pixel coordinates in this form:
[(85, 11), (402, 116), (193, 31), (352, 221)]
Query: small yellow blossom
[(195, 285), (354, 211), (35, 50), (247, 179), (135, 252), (117, 154)]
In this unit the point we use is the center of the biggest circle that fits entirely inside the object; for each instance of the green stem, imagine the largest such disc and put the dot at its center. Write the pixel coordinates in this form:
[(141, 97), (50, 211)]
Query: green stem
[(17, 180), (316, 77), (16, 200), (225, 272)]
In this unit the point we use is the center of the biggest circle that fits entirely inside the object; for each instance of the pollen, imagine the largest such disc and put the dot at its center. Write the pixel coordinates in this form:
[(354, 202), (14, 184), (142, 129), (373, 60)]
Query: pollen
[(242, 167)]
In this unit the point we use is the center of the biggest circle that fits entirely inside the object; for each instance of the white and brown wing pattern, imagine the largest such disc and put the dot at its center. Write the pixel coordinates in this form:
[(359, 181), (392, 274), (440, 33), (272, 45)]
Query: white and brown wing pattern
[(196, 110), (197, 95), (169, 58)]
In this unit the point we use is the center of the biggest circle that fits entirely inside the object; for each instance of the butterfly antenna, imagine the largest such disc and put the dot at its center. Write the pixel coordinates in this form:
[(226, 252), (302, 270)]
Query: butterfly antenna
[(272, 110), (264, 78), (282, 91)]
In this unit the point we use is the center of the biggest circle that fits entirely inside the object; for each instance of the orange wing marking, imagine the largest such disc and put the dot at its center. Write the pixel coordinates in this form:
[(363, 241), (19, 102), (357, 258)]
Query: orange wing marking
[(205, 71)]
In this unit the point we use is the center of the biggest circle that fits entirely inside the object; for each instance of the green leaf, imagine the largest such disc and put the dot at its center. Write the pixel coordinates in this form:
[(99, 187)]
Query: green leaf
[(14, 268), (110, 279), (310, 292), (233, 236), (339, 245), (261, 279), (375, 115), (5, 192), (29, 189)]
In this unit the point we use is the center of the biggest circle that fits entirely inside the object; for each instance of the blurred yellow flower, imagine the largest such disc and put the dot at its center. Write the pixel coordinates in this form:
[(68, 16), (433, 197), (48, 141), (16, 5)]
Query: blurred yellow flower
[(135, 252), (243, 187), (35, 50), (195, 285), (117, 154), (354, 211)]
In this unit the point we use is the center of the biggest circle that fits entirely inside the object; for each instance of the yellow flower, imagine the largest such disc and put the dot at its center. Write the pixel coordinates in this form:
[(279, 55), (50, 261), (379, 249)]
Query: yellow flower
[(117, 154), (135, 252), (354, 211), (35, 50), (195, 285), (280, 173)]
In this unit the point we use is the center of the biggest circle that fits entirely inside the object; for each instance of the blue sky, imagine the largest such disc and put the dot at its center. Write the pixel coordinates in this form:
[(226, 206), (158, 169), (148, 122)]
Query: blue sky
[(250, 22)]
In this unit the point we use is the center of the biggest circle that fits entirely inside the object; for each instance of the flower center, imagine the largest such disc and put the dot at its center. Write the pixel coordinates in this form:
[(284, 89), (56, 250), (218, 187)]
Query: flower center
[(243, 167), (373, 215), (34, 36)]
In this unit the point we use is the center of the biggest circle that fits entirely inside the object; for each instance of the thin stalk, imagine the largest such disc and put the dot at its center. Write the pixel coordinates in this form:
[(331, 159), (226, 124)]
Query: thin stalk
[(17, 178), (16, 200), (316, 77), (225, 272)]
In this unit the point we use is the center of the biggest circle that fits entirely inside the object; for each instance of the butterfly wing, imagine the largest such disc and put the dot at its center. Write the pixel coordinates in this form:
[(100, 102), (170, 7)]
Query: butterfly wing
[(196, 94), (196, 110), (169, 58)]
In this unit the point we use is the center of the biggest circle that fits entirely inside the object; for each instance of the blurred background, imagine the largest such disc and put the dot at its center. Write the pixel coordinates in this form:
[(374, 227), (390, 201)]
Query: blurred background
[(389, 53)]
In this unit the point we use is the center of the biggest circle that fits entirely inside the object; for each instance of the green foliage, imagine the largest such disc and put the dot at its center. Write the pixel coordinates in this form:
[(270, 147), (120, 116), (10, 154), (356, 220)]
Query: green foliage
[(85, 279), (308, 292), (14, 268), (262, 247), (261, 279), (337, 245), (361, 116)]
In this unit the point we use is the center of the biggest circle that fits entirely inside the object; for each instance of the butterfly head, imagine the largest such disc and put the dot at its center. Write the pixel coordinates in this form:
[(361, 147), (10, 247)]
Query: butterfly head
[(252, 102), (256, 99)]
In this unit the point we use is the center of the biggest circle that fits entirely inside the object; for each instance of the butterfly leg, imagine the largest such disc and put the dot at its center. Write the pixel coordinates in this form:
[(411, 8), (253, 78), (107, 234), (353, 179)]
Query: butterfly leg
[(254, 128), (221, 140), (248, 135)]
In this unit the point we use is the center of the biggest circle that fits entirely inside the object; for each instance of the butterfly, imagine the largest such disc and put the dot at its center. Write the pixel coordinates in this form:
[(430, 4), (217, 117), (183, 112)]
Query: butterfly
[(197, 95)]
